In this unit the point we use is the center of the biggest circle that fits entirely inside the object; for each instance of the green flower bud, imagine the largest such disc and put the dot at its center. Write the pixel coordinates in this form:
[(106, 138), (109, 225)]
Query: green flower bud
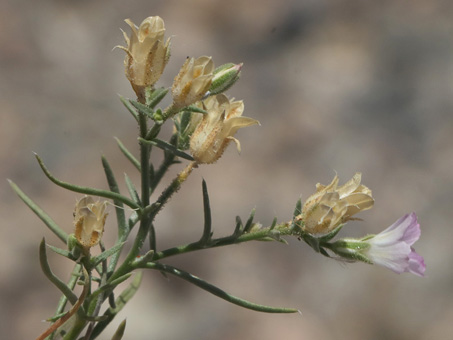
[(225, 76)]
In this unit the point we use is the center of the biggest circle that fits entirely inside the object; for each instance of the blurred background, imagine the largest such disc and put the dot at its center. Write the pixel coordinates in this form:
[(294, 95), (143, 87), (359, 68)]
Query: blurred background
[(338, 87)]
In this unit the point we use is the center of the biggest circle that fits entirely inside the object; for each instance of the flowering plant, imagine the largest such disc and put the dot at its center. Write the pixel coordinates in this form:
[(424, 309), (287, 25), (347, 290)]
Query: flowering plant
[(204, 121)]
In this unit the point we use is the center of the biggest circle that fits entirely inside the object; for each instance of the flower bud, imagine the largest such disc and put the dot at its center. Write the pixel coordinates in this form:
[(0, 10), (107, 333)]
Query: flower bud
[(225, 76), (146, 54), (331, 205), (217, 128), (89, 220), (192, 82)]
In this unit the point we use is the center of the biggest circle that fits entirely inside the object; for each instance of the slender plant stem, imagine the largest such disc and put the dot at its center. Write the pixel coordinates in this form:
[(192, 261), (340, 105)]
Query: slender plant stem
[(260, 235)]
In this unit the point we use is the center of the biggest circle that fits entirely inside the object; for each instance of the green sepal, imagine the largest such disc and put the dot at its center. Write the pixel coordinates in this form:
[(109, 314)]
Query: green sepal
[(351, 249)]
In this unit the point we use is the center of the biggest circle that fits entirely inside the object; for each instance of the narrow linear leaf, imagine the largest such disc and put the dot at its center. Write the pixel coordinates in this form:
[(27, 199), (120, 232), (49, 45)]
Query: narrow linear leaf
[(62, 235), (157, 96), (120, 331), (132, 190), (298, 209), (128, 154), (274, 223), (62, 252), (51, 276), (108, 286), (71, 284), (217, 291), (167, 147), (193, 108), (142, 108), (87, 190), (113, 185), (120, 302), (94, 261), (249, 223), (129, 107), (238, 229), (71, 312), (207, 215)]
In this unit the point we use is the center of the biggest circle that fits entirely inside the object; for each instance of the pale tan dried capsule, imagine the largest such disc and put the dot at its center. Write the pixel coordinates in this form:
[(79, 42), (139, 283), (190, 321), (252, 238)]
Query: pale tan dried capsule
[(147, 53), (89, 220), (192, 82), (331, 205), (217, 128)]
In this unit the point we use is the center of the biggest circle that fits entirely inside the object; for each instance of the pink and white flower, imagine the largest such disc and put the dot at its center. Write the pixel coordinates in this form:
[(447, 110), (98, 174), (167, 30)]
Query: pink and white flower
[(392, 248)]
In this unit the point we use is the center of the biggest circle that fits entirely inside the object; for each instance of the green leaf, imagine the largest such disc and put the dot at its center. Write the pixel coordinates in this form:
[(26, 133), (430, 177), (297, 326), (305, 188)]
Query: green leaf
[(129, 107), (51, 276), (94, 261), (167, 147), (193, 108), (108, 286), (249, 223), (142, 108), (156, 96), (113, 185), (207, 216), (274, 223), (120, 302), (87, 190), (298, 209), (62, 252), (128, 154), (62, 235), (120, 331), (217, 291), (132, 190)]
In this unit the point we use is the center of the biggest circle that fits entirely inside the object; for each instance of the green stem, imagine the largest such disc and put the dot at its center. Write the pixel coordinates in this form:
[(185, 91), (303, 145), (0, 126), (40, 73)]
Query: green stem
[(148, 218), (260, 235)]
